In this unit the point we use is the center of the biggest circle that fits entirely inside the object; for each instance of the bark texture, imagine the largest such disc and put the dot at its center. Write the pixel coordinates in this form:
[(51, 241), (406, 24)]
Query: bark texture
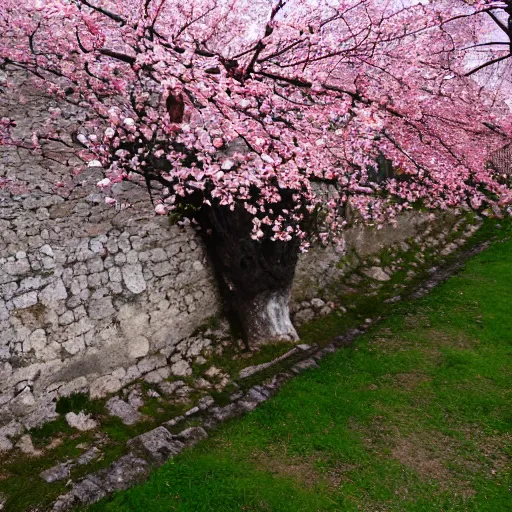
[(266, 317)]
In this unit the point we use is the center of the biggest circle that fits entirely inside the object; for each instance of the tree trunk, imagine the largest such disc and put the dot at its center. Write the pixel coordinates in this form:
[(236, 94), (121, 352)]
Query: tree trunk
[(266, 318), (255, 277)]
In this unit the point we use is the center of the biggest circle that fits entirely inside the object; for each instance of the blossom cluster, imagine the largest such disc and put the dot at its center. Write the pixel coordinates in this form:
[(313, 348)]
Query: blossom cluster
[(283, 109)]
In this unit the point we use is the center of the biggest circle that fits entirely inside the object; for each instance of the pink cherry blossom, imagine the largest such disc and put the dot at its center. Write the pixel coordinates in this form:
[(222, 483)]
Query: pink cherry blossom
[(104, 183), (289, 109), (160, 209)]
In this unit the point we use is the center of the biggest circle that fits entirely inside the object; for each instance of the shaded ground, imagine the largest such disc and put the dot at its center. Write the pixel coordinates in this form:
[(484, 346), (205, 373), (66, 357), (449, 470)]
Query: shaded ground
[(417, 416)]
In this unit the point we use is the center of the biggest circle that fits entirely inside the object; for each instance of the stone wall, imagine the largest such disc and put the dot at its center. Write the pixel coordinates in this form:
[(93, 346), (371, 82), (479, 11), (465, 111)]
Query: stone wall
[(91, 304), (92, 297), (321, 266)]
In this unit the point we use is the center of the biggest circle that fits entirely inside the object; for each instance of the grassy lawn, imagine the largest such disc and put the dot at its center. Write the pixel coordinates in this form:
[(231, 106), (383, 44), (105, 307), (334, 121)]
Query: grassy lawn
[(416, 417)]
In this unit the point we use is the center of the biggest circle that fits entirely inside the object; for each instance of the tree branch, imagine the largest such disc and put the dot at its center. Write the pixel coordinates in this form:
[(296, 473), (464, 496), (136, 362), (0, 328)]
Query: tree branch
[(488, 63), (118, 56), (105, 12)]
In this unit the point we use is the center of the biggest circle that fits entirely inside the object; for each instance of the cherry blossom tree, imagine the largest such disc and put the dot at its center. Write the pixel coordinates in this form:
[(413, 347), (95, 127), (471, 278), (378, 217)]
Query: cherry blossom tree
[(265, 123)]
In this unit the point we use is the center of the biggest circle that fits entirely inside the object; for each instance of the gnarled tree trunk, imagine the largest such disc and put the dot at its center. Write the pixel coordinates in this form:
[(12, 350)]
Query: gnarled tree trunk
[(255, 277), (266, 317)]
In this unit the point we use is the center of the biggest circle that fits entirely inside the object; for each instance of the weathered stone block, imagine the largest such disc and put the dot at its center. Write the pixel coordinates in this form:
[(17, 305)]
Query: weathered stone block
[(80, 421), (25, 301), (123, 410), (377, 273), (124, 473), (133, 278), (158, 444), (56, 473), (101, 308), (105, 385), (192, 435)]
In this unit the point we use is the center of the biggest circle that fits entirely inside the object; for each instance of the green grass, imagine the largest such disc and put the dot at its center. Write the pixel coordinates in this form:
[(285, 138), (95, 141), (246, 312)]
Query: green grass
[(417, 416)]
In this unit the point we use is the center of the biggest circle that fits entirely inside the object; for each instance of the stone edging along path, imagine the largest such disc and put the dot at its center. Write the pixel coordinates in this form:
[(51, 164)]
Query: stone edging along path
[(153, 448)]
